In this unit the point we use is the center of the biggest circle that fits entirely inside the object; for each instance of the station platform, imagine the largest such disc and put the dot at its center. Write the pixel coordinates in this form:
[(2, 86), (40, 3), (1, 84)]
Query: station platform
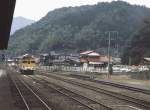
[(6, 100)]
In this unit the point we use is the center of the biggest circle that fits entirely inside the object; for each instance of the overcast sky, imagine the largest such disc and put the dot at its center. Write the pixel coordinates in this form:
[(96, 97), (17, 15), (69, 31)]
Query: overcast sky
[(36, 9)]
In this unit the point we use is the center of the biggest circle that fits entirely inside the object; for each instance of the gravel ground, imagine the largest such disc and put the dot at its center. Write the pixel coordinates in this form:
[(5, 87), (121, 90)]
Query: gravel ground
[(124, 78), (91, 94), (7, 101), (114, 89), (59, 102)]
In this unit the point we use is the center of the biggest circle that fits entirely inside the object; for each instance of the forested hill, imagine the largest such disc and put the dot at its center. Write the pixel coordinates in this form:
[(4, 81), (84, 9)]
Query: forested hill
[(80, 28), (139, 46), (20, 22)]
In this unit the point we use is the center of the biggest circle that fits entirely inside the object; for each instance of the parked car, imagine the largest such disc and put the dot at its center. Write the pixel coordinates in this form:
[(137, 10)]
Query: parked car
[(143, 68)]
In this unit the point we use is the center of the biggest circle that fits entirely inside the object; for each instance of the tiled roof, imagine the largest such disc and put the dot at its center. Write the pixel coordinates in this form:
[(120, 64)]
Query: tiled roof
[(86, 52), (93, 54), (96, 59), (147, 59)]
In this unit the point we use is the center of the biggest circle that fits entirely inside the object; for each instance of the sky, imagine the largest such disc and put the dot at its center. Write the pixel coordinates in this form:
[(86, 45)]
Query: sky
[(36, 9)]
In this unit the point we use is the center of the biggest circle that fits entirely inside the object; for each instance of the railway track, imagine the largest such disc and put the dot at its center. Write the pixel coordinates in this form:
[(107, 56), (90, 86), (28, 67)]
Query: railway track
[(26, 98), (82, 100), (122, 86), (111, 84), (134, 101)]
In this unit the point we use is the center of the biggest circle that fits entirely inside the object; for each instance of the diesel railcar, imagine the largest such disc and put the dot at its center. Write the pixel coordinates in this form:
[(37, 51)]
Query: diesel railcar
[(27, 64)]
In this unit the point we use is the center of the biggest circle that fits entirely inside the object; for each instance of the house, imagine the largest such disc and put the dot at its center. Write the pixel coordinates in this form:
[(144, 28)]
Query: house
[(116, 61), (146, 61), (92, 58), (54, 58), (74, 61)]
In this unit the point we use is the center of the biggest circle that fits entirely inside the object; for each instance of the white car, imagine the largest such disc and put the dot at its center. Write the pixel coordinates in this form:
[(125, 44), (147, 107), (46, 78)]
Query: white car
[(143, 68), (125, 69)]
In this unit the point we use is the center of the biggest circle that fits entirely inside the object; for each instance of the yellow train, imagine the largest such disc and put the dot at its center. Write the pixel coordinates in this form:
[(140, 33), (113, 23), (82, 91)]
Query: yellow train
[(27, 64)]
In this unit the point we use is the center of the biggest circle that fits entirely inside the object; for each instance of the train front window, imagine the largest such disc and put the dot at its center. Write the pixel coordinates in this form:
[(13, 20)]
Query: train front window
[(24, 61), (32, 61)]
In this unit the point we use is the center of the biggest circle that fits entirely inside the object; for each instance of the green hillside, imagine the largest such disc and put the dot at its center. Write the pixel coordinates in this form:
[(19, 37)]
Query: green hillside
[(80, 28), (139, 46)]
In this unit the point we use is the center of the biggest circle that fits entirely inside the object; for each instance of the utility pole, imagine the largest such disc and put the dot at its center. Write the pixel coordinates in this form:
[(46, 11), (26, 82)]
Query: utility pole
[(117, 45), (108, 54), (109, 44), (117, 50), (130, 60)]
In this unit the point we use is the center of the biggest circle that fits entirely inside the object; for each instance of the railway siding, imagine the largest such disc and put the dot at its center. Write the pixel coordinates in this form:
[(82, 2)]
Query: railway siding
[(102, 98), (124, 91), (63, 98), (132, 101)]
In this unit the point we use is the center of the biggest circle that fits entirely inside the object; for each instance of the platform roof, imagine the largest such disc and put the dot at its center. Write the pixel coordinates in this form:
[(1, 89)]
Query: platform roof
[(6, 16)]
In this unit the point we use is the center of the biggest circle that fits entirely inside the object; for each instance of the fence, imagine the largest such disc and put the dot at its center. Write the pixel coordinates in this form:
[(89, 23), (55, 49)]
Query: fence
[(73, 69)]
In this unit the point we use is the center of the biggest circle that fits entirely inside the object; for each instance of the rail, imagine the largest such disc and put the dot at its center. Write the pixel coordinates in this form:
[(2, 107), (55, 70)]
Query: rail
[(136, 101), (27, 94)]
